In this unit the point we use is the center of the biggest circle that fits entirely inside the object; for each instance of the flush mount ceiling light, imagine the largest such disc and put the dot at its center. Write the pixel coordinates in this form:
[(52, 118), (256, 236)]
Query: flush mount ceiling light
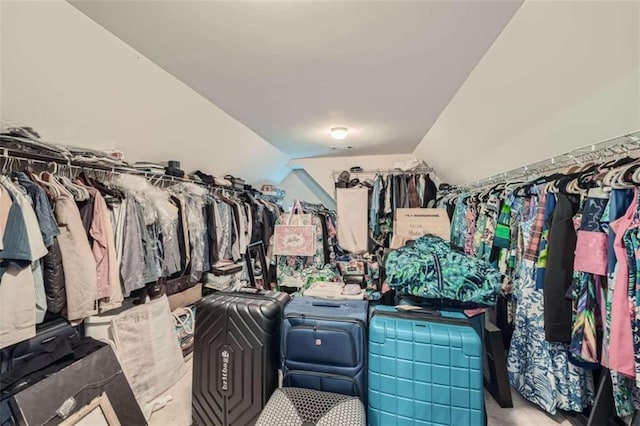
[(339, 133)]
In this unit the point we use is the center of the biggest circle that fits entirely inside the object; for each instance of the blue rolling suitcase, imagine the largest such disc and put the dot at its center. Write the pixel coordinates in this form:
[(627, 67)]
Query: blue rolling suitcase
[(324, 345), (425, 368)]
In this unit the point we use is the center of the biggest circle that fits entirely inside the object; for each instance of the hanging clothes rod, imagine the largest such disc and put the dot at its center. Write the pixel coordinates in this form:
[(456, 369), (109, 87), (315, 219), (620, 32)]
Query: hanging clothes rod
[(621, 145), (30, 158), (373, 172)]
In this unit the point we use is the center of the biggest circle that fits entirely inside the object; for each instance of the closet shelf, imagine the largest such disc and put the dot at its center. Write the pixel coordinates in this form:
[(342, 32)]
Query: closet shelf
[(620, 145)]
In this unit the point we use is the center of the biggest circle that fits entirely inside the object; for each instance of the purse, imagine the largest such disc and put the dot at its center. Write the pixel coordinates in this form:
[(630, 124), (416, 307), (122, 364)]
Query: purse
[(295, 239)]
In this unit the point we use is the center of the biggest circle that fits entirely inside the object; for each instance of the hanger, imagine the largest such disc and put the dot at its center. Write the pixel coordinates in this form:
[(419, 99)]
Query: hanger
[(83, 179), (46, 179), (628, 171), (619, 181), (610, 180), (8, 165), (79, 192), (636, 176), (31, 175)]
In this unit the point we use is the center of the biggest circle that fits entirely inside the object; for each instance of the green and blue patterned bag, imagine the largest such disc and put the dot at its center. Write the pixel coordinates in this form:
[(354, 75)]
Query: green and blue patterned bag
[(429, 268)]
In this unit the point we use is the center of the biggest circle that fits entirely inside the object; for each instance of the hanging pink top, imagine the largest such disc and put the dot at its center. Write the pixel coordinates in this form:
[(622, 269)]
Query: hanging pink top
[(621, 351)]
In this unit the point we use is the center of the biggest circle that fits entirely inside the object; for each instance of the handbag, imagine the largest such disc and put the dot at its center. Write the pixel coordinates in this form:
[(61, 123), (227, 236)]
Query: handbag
[(295, 239), (429, 268)]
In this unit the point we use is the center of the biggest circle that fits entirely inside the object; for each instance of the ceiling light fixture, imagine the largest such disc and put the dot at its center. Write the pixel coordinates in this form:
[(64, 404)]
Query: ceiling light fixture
[(339, 133)]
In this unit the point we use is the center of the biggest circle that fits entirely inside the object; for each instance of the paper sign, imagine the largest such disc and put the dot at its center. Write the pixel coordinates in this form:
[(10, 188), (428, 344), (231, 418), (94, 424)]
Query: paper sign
[(410, 224)]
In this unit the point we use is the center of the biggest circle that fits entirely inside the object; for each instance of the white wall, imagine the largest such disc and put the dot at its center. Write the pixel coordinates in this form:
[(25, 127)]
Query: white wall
[(321, 169), (299, 185), (76, 83), (562, 75)]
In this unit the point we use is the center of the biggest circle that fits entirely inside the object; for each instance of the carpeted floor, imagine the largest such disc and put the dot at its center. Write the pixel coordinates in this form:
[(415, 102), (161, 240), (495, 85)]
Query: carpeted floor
[(178, 411)]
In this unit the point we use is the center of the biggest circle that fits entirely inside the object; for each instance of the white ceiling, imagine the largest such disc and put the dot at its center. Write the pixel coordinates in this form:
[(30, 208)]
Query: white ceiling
[(291, 70)]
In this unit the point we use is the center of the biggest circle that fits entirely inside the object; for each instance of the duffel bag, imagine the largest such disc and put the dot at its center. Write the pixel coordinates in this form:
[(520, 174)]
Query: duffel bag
[(431, 269)]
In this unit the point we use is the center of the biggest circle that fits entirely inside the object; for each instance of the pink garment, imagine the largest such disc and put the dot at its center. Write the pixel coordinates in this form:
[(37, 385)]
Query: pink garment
[(591, 253), (621, 350), (100, 245)]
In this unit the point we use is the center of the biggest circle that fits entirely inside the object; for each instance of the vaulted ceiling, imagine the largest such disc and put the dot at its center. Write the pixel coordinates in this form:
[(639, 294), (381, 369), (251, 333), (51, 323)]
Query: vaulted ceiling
[(472, 88), (292, 70)]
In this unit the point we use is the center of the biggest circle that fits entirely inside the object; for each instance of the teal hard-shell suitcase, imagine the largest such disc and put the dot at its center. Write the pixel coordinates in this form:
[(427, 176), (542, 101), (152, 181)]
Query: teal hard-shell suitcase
[(425, 368)]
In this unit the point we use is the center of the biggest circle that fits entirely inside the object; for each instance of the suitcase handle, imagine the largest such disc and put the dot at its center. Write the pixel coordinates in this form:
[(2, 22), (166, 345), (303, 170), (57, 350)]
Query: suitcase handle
[(421, 311), (250, 290), (326, 304)]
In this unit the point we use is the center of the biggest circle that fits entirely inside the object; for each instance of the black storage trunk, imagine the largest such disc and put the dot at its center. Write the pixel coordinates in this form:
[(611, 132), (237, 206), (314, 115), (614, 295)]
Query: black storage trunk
[(236, 355)]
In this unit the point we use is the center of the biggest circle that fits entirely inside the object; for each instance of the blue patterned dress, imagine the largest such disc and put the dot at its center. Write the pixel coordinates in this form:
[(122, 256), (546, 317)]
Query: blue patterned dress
[(538, 369)]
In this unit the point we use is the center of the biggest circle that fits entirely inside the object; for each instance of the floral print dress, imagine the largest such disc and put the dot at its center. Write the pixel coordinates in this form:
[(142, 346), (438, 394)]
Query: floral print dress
[(539, 370)]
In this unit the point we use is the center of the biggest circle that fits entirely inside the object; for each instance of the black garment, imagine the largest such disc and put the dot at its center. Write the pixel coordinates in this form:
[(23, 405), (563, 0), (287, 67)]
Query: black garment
[(430, 191), (502, 319), (53, 277), (268, 223), (392, 188), (206, 253), (181, 238), (86, 213), (211, 234), (257, 220), (559, 272), (325, 238), (208, 179), (451, 207)]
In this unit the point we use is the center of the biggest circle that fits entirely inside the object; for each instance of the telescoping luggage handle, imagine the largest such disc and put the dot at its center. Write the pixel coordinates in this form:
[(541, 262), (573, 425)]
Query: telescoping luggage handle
[(329, 304), (251, 290), (424, 314)]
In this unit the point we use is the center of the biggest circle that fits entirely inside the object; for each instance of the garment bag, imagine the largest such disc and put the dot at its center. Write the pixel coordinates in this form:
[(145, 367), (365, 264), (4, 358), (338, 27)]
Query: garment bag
[(353, 204)]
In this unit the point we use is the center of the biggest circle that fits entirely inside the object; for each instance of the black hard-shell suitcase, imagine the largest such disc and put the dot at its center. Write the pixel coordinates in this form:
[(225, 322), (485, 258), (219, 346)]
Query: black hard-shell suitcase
[(236, 355)]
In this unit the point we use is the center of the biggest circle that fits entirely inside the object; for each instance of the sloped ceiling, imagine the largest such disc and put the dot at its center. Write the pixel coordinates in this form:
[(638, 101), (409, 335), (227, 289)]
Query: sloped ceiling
[(292, 70), (76, 83), (562, 75)]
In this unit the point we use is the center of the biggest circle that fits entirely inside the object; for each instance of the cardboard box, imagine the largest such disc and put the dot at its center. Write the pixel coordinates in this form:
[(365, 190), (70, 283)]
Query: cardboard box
[(410, 224)]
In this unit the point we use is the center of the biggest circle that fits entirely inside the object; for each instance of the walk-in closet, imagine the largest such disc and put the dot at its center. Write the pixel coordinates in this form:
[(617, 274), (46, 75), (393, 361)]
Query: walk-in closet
[(349, 213)]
